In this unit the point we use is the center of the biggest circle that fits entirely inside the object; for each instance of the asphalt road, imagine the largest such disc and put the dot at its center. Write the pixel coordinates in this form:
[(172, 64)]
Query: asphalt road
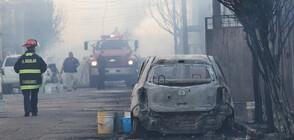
[(67, 115), (73, 115)]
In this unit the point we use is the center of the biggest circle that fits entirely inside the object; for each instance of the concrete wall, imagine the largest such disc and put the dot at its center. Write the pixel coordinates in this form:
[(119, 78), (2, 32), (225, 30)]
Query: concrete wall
[(229, 47)]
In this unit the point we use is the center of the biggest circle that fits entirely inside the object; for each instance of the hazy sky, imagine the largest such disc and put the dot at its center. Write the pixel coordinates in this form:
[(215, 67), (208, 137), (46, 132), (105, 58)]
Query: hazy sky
[(88, 19)]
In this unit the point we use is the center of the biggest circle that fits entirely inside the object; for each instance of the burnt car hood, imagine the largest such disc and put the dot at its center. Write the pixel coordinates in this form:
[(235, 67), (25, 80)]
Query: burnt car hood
[(182, 99)]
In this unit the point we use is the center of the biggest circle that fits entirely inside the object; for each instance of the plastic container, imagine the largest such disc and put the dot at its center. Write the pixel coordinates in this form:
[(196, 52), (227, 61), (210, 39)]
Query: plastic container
[(127, 125), (127, 114), (105, 122), (50, 88), (118, 126)]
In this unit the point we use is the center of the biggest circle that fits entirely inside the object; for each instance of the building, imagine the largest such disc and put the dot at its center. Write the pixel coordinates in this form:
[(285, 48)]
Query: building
[(226, 41)]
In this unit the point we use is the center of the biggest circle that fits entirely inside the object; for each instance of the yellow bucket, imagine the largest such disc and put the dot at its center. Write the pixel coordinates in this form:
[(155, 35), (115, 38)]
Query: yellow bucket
[(105, 122)]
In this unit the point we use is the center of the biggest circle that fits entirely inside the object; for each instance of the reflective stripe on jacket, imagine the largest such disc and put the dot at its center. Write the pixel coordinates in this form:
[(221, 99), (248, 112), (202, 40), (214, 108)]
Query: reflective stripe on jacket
[(29, 71), (30, 87)]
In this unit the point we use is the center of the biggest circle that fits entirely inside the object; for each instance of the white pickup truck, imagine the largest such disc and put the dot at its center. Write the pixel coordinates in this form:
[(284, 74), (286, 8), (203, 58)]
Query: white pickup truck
[(10, 78)]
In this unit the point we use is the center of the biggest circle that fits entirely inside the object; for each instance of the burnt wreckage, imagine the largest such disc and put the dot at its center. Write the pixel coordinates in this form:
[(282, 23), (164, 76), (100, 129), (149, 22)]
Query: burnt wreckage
[(181, 94)]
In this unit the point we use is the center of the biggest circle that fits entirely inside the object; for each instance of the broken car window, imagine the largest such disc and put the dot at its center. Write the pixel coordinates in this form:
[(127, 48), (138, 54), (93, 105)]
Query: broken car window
[(181, 74)]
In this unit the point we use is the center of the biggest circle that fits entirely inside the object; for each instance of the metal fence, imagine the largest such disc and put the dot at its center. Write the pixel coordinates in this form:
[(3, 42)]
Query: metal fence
[(224, 20)]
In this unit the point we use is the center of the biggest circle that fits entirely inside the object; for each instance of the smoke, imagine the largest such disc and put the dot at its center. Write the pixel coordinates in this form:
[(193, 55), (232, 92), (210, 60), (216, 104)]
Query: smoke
[(153, 40), (87, 20), (86, 25), (76, 21)]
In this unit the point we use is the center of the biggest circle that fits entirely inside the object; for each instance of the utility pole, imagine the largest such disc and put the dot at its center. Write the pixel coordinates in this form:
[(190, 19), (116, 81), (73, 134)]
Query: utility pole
[(175, 28), (185, 27)]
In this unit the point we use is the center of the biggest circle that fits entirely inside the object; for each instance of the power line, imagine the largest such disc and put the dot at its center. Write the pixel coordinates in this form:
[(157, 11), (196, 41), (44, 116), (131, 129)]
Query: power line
[(90, 3), (109, 17), (94, 2), (114, 6), (136, 17), (94, 24), (98, 8), (115, 19)]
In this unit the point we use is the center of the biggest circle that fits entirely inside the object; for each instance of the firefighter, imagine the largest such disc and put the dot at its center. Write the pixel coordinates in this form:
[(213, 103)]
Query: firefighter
[(127, 35), (55, 77), (101, 69), (30, 67), (115, 32)]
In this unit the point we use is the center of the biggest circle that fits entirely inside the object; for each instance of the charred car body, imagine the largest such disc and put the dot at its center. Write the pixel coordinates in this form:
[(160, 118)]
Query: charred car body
[(181, 94)]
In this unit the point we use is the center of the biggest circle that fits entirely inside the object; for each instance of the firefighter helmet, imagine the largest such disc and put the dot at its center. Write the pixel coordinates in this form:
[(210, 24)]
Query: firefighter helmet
[(31, 43)]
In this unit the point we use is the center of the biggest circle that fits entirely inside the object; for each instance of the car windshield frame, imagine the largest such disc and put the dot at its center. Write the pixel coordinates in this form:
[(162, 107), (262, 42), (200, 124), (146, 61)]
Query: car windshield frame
[(162, 80)]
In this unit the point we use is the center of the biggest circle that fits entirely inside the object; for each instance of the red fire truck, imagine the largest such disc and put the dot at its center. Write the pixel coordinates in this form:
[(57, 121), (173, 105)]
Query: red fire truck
[(120, 54)]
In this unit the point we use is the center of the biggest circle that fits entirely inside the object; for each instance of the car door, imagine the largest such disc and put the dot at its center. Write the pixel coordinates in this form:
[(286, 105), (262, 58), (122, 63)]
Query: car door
[(10, 76)]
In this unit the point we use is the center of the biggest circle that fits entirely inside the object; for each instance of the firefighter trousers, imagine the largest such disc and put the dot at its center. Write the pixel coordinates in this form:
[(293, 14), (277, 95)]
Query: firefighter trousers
[(30, 100)]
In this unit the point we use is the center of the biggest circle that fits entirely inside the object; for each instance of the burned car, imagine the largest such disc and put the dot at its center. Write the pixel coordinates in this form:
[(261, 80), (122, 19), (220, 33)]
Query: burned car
[(181, 94)]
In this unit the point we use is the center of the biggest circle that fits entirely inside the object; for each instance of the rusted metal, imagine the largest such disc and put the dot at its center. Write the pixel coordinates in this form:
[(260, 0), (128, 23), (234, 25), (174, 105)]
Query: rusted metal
[(193, 104)]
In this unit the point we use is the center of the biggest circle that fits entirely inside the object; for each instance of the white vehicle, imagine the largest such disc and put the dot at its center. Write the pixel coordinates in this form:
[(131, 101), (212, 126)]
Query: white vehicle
[(10, 78), (181, 94)]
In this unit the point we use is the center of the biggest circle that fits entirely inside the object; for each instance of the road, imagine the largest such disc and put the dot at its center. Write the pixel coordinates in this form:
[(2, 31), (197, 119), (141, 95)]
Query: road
[(69, 115)]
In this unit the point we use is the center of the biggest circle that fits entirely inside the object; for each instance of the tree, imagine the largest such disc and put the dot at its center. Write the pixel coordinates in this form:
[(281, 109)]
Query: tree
[(267, 24), (43, 22), (167, 14), (38, 19)]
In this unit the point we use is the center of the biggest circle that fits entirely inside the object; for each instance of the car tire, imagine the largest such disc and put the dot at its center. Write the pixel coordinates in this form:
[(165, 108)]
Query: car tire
[(228, 124), (6, 89)]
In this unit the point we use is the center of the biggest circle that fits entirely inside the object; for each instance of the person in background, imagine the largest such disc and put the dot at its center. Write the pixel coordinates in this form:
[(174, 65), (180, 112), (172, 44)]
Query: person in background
[(69, 67), (101, 69), (55, 78), (30, 67), (127, 35), (46, 76), (115, 32), (1, 63)]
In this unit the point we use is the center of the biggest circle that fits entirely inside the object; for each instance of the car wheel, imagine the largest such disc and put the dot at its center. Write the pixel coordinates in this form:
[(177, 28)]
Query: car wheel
[(6, 89), (228, 123)]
